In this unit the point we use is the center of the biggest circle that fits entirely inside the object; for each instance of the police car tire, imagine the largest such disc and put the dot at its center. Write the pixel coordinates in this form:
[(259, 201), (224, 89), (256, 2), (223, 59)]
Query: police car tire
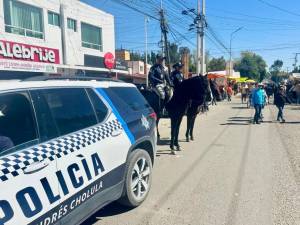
[(128, 198)]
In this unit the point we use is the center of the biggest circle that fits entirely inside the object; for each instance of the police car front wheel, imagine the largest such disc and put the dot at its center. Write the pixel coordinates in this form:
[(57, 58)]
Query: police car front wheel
[(138, 178)]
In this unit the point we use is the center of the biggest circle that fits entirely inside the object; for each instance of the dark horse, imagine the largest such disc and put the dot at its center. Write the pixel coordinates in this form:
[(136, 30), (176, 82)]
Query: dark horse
[(192, 112), (194, 89), (216, 94), (195, 108)]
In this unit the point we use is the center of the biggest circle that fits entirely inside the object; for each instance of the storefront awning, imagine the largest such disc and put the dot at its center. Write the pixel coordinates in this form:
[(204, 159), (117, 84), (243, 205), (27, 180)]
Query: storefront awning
[(215, 76)]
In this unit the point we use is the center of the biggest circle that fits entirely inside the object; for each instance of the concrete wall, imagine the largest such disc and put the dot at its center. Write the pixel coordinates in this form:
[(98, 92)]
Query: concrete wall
[(74, 9)]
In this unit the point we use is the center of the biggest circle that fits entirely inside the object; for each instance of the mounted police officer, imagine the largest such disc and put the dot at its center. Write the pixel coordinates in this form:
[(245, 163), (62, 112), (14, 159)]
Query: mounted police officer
[(159, 78), (176, 75)]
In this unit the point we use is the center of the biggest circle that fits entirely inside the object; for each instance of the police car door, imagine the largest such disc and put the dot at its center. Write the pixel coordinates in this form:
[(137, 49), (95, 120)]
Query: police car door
[(28, 179), (93, 154)]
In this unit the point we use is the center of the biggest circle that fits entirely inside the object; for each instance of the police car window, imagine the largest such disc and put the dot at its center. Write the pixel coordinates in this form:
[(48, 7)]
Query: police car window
[(71, 109), (100, 108), (131, 97), (17, 123), (46, 124)]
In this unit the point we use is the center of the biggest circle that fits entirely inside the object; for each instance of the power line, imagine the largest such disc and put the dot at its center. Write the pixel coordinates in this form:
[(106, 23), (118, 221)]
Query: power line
[(278, 8), (217, 39), (135, 9), (252, 16)]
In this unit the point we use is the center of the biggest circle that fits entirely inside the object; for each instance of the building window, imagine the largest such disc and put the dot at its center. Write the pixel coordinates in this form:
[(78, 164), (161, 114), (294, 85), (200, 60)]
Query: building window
[(23, 19), (72, 24), (91, 36), (141, 69), (53, 19)]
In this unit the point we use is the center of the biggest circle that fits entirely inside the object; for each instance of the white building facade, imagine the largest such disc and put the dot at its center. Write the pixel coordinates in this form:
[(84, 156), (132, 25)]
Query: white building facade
[(64, 37)]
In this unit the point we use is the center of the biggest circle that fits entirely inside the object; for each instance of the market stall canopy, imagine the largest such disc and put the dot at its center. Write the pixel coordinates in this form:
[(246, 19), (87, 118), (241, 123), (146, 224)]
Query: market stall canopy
[(250, 81), (240, 80), (215, 76)]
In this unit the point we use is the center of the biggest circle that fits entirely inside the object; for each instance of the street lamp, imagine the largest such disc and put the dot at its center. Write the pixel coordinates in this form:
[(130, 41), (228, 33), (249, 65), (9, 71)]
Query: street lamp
[(231, 38)]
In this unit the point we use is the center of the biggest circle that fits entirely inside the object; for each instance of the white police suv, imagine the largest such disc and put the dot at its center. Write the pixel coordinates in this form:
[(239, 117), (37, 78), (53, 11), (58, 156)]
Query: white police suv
[(67, 148)]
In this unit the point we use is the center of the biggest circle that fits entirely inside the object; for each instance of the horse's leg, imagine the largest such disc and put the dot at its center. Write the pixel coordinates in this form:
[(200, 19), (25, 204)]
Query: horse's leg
[(188, 128), (158, 135), (172, 133), (178, 122), (192, 127)]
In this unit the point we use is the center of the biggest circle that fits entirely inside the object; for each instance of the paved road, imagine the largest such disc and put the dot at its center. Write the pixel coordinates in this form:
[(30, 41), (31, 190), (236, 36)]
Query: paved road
[(234, 173)]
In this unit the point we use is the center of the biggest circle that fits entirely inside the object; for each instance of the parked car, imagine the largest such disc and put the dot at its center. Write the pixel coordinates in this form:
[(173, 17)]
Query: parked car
[(68, 148)]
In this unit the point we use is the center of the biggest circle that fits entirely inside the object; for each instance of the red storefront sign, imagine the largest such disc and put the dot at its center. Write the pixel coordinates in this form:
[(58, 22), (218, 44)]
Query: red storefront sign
[(109, 60), (18, 51)]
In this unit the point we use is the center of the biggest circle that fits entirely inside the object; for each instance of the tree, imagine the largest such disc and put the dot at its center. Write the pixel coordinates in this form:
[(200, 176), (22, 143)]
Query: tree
[(296, 69), (252, 66), (152, 58), (135, 56), (174, 53), (193, 60), (276, 71), (216, 64)]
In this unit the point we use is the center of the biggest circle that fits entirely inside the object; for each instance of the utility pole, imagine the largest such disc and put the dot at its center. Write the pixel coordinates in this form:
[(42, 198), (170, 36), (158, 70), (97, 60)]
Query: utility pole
[(198, 26), (296, 60), (146, 50), (230, 60), (164, 31), (162, 36), (201, 25)]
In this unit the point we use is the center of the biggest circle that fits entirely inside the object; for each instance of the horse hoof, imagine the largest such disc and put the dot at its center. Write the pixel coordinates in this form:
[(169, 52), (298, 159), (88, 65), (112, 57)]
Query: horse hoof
[(178, 148), (192, 138), (172, 147), (187, 139)]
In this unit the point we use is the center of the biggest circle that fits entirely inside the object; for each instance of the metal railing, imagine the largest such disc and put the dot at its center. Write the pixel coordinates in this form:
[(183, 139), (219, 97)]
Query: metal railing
[(91, 45), (23, 31)]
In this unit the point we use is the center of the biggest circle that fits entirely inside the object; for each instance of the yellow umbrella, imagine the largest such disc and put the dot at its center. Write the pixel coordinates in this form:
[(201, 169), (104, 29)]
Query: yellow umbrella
[(242, 79), (250, 81)]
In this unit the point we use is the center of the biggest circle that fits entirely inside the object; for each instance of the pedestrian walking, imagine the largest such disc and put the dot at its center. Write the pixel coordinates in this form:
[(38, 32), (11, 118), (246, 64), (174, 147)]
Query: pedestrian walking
[(257, 100), (244, 93), (280, 100), (235, 88), (261, 86), (229, 93)]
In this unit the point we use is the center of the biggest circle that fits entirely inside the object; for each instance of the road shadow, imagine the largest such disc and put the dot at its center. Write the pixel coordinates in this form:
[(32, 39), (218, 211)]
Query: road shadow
[(163, 152), (267, 121), (240, 117), (163, 141), (110, 210), (235, 124), (293, 109), (239, 107), (239, 120), (291, 122)]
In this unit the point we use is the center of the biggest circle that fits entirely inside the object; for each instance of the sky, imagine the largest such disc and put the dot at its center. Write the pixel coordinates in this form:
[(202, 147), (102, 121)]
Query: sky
[(270, 28)]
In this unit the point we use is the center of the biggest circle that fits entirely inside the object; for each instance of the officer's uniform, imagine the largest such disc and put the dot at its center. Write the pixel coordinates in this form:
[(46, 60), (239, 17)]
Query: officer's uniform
[(176, 75), (5, 143), (159, 79), (176, 78)]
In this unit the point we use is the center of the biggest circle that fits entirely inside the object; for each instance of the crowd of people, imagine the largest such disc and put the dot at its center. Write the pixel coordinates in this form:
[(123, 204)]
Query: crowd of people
[(258, 95)]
